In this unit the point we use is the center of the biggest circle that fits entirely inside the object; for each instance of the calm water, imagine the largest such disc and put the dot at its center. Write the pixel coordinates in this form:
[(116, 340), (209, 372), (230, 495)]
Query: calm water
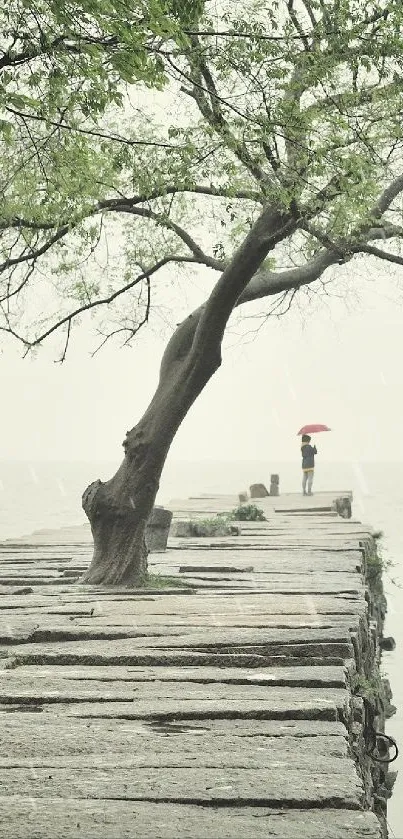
[(38, 495)]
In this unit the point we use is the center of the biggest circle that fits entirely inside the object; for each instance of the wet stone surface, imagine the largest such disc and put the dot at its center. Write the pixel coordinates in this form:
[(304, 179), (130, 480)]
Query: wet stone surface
[(222, 709)]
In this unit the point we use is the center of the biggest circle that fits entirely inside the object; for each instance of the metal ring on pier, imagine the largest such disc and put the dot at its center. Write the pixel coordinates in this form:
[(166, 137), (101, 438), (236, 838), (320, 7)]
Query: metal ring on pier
[(391, 741)]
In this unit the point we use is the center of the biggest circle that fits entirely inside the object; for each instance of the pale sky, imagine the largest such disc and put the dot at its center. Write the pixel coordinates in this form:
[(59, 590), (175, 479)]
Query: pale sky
[(338, 363)]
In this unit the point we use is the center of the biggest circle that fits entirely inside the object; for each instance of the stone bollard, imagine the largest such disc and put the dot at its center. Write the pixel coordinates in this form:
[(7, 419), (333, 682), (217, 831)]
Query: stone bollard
[(343, 507), (243, 496), (388, 643), (274, 484), (157, 530), (258, 491)]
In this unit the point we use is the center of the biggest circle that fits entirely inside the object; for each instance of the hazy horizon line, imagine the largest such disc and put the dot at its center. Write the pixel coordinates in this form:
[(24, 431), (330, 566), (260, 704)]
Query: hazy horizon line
[(294, 460)]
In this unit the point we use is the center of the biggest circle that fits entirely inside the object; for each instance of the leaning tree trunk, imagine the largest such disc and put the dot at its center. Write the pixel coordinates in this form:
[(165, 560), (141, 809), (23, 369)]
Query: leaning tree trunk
[(118, 510)]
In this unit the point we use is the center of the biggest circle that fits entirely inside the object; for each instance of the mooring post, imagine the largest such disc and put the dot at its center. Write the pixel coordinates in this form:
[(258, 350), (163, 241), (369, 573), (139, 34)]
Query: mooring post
[(274, 484)]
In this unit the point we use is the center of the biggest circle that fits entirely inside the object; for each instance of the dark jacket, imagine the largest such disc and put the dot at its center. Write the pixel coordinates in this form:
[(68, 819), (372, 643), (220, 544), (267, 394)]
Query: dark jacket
[(308, 456)]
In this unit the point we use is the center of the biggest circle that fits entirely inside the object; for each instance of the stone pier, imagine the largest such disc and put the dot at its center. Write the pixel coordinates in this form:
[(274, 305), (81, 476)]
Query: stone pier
[(239, 696)]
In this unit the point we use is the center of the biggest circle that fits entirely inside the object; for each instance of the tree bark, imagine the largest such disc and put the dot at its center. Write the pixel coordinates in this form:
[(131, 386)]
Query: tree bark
[(118, 510)]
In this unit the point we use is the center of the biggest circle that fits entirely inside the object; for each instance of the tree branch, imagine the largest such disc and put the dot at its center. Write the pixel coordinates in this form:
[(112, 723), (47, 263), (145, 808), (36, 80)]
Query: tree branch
[(309, 10), (118, 204), (214, 115), (265, 283), (202, 189), (297, 26), (133, 329), (227, 33), (85, 307), (10, 294), (128, 206), (34, 254), (354, 99), (271, 227), (90, 132), (16, 222), (389, 257), (164, 221), (388, 196)]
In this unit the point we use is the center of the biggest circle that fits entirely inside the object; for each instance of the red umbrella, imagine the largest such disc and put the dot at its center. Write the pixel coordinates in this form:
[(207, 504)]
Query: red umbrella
[(312, 429)]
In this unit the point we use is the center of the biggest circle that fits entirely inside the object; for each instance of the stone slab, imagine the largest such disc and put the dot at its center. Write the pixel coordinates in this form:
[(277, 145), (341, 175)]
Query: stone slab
[(25, 739), (199, 708), (320, 583), (40, 690), (269, 542), (280, 561), (212, 602), (170, 730), (258, 757), (79, 618), (68, 818), (287, 676), (268, 787)]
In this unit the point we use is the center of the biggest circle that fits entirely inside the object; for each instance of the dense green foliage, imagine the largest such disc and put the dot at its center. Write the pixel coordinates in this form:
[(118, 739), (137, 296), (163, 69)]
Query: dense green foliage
[(59, 54), (138, 135)]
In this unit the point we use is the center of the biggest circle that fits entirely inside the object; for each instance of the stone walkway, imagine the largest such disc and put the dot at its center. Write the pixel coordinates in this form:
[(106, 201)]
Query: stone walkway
[(222, 708)]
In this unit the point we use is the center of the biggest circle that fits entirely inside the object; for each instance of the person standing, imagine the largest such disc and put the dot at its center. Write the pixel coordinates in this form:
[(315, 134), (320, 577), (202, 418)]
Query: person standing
[(308, 464)]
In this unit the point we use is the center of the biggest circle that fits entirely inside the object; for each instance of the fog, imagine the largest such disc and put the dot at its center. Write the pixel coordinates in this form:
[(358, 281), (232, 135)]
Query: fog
[(332, 359)]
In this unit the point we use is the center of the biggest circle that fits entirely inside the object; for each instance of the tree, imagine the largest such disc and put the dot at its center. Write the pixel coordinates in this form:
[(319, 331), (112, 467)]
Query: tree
[(284, 158)]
